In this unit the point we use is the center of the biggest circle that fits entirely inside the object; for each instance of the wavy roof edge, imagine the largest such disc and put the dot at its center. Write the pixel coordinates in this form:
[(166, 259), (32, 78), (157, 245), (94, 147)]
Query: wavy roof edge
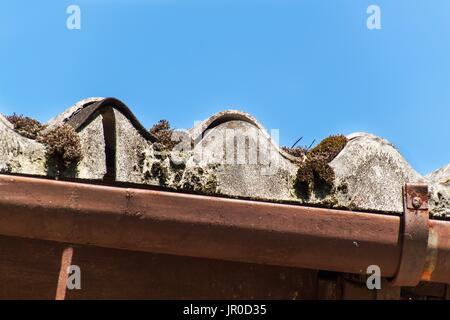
[(369, 171)]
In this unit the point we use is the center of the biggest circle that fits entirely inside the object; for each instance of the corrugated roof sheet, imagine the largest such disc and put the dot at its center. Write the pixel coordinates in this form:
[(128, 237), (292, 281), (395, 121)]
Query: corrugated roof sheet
[(229, 154)]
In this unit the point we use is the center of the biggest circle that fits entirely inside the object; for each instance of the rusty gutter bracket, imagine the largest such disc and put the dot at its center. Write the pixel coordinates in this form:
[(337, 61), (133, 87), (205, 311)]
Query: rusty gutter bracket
[(413, 236)]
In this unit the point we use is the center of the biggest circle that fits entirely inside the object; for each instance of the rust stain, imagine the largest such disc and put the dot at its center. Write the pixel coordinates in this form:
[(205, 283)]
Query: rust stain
[(66, 261), (432, 255)]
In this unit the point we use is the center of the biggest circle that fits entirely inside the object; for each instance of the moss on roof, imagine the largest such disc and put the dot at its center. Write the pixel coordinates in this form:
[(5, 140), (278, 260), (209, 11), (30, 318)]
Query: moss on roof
[(163, 133), (315, 171), (26, 126), (298, 152), (63, 144)]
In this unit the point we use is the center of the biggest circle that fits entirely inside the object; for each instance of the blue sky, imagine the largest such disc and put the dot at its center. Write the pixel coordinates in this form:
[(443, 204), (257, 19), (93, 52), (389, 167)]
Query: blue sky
[(308, 68)]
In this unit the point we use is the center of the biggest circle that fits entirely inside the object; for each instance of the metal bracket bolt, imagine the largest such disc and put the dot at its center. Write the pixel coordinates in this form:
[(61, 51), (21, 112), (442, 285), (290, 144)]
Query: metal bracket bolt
[(416, 202)]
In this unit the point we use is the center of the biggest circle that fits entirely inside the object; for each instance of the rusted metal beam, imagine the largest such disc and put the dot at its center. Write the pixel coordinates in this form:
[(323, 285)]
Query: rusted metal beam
[(199, 226), (209, 227)]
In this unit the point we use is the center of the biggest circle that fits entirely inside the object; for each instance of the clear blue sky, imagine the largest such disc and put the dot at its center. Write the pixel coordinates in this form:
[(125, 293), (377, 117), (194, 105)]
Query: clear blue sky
[(309, 68)]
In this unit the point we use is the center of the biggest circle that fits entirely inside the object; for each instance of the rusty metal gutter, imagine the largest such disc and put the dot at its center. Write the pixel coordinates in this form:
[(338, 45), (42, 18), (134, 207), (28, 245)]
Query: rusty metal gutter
[(220, 228)]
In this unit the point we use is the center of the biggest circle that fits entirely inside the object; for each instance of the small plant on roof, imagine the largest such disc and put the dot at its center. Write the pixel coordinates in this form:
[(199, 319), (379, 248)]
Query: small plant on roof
[(298, 152), (26, 126), (163, 133), (63, 145), (315, 171)]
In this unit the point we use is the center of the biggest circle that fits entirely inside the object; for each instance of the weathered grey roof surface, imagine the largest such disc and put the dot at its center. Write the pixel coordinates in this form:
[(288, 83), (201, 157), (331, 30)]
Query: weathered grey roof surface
[(19, 154), (441, 176), (62, 118), (228, 154)]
